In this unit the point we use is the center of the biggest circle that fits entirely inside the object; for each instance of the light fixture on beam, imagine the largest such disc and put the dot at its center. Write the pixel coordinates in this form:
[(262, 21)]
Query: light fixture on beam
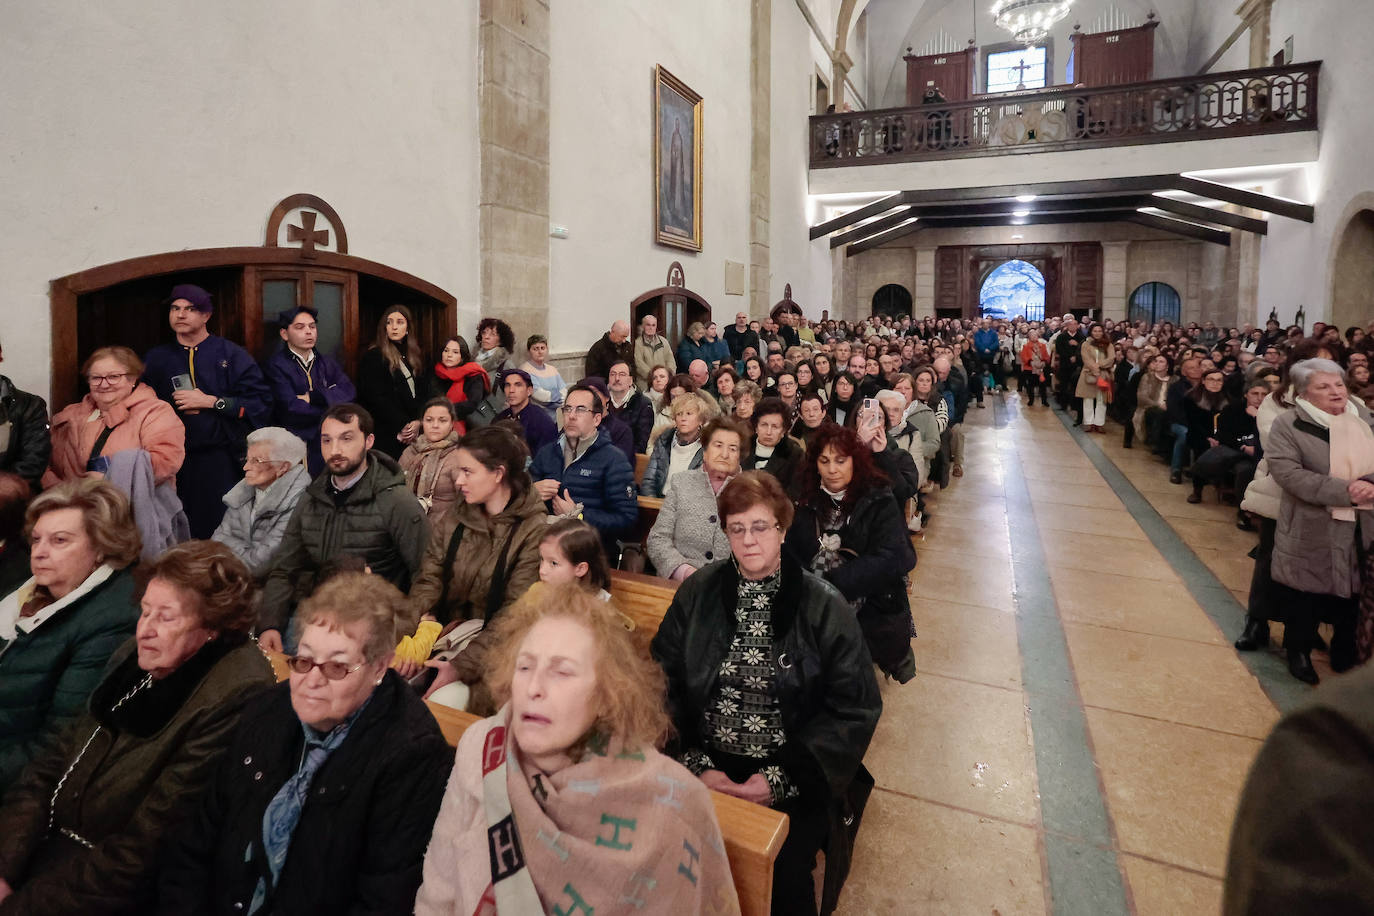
[(1020, 213), (1029, 21), (1024, 198)]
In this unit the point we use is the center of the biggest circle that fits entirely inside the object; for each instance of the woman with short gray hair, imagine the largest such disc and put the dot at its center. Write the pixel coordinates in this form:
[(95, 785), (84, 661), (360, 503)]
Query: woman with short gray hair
[(258, 507), (1321, 455)]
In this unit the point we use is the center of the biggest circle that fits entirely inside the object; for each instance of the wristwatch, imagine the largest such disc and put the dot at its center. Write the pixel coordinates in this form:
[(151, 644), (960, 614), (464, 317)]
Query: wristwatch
[(221, 404)]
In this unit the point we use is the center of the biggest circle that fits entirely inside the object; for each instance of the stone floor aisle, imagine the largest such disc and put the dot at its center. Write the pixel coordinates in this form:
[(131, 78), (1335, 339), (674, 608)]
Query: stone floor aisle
[(1168, 718)]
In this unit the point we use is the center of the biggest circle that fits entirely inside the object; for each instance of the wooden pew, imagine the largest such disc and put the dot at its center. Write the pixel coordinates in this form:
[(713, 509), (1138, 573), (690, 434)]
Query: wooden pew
[(644, 599), (641, 464), (753, 834)]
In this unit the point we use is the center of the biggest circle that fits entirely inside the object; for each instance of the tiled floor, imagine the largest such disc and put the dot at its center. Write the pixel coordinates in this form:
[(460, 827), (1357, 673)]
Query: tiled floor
[(1173, 717)]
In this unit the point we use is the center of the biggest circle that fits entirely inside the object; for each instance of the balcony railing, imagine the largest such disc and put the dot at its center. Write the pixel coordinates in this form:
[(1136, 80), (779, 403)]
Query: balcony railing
[(1239, 103)]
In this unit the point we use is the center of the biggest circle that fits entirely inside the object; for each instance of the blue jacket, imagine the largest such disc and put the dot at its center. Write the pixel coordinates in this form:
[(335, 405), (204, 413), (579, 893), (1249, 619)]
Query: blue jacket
[(656, 471), (985, 341), (689, 350), (224, 369), (326, 384), (601, 480), (718, 349)]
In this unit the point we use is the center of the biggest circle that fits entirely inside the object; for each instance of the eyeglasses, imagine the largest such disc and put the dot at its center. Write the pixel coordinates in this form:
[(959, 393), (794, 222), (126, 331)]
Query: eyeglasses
[(258, 462), (335, 671), (94, 380), (758, 529), (580, 409)]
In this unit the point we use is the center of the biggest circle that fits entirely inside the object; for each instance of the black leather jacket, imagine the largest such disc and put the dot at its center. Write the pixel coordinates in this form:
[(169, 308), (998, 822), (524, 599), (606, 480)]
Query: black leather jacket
[(30, 447), (825, 684)]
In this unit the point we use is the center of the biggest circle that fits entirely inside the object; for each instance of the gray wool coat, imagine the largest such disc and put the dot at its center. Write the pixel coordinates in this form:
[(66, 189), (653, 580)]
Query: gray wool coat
[(688, 528), (254, 536), (1313, 552)]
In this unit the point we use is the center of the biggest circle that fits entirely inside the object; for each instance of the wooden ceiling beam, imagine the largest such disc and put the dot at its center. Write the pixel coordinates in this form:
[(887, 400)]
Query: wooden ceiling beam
[(1196, 212), (858, 215), (884, 237), (858, 233), (1242, 198), (1181, 227)]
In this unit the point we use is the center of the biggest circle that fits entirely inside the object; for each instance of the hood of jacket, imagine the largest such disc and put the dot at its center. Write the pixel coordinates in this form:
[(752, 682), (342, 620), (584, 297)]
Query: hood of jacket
[(472, 517), (141, 397)]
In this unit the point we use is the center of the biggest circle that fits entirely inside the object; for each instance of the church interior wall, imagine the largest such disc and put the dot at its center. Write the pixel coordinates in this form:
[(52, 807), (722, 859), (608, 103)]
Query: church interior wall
[(601, 150), (1296, 258), (136, 127)]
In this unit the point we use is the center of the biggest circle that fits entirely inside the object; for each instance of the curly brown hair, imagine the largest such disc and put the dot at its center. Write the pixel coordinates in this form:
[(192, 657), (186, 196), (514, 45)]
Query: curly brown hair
[(844, 441), (351, 598), (630, 687), (105, 511), (212, 582)]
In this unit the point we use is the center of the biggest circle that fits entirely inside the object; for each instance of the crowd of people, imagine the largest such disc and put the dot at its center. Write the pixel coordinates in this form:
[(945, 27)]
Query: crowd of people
[(445, 531)]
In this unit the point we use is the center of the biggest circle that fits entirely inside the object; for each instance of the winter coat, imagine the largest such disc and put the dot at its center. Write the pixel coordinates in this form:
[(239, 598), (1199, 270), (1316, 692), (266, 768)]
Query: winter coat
[(1029, 351), (140, 421), (159, 513), (48, 673), (1298, 843), (1201, 423), (689, 350), (924, 420), (536, 423), (29, 450), (601, 479), (638, 414), (655, 478), (1263, 496), (253, 531), (386, 395), (604, 352), (325, 383), (522, 523), (379, 520), (430, 468), (738, 340), (1313, 552), (876, 539), (648, 354), (784, 464), (360, 841), (1096, 364), (688, 528), (824, 683), (140, 776), (1150, 393)]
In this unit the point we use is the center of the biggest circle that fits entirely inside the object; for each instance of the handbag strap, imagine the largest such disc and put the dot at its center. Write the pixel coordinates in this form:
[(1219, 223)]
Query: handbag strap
[(497, 590), (446, 572), (100, 444)]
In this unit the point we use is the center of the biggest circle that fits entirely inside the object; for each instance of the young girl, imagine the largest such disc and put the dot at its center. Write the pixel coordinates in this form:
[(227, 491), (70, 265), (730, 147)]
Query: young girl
[(571, 551)]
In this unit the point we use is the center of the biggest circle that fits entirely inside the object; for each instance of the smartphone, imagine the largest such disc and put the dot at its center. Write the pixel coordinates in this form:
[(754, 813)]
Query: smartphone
[(872, 413), (182, 382)]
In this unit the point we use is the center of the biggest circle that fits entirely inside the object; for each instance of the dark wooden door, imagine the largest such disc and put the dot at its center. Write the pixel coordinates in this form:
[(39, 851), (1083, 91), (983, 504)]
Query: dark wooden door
[(952, 74)]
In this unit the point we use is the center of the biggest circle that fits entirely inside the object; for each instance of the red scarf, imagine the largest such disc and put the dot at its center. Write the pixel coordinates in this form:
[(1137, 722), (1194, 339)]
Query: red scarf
[(458, 375)]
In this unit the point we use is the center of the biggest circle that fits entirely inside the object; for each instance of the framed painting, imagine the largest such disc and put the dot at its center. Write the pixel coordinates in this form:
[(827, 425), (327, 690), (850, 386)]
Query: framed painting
[(677, 162)]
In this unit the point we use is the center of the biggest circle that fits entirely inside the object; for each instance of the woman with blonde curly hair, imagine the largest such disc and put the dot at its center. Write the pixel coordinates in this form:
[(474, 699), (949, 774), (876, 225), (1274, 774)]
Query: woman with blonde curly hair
[(565, 783)]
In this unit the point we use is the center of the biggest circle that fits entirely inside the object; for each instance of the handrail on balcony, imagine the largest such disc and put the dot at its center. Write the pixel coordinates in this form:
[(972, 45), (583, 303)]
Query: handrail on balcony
[(1236, 103)]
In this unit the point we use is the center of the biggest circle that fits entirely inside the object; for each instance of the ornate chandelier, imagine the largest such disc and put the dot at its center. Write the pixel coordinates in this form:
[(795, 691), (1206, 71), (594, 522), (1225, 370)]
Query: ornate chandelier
[(1029, 20)]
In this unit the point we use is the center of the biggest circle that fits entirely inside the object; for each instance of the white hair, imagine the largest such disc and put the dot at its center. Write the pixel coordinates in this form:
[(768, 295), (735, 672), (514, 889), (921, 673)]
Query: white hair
[(282, 444), (1302, 373)]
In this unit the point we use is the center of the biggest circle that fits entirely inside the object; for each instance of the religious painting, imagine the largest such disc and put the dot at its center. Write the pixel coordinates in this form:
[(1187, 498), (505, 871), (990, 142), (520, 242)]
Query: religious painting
[(677, 162)]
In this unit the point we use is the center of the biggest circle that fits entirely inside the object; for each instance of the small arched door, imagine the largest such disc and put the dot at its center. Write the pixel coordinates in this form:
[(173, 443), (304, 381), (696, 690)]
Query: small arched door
[(892, 299), (1155, 302)]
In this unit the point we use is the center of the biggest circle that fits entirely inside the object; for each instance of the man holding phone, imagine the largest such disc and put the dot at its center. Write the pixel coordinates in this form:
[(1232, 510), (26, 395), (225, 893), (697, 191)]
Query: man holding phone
[(220, 395), (585, 468)]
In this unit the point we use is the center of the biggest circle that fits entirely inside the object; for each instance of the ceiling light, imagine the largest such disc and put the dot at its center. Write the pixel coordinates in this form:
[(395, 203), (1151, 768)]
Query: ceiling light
[(1018, 222), (1020, 213), (1024, 198), (1029, 20), (1017, 236)]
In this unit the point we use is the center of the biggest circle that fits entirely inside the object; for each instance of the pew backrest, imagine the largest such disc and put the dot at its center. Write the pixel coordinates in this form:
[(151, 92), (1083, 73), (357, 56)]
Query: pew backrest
[(644, 599)]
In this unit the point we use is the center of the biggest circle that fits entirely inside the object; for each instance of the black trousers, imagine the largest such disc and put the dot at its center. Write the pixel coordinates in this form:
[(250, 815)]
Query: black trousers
[(794, 890), (1262, 605), (1030, 383), (1304, 610)]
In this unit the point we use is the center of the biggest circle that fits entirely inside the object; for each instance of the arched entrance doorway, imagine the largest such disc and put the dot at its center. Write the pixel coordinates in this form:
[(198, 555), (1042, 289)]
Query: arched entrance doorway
[(1014, 288), (1155, 302), (1352, 290), (892, 299)]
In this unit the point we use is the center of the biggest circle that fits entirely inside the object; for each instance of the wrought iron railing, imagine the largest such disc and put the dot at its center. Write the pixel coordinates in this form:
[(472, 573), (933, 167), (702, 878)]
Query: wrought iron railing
[(1238, 103)]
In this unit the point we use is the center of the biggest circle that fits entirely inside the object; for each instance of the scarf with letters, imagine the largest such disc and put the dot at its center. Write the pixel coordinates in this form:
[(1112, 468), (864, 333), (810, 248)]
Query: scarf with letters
[(619, 830)]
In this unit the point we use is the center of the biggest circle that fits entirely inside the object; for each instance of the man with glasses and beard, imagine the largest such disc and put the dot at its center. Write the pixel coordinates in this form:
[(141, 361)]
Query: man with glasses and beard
[(359, 506)]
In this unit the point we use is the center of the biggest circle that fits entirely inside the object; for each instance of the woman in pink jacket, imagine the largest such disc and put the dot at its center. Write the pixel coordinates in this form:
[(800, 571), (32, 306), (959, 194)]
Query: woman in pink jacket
[(119, 413)]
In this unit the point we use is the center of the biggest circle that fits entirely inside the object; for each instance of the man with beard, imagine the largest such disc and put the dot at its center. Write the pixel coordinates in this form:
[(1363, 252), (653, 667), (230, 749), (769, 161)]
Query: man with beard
[(359, 506)]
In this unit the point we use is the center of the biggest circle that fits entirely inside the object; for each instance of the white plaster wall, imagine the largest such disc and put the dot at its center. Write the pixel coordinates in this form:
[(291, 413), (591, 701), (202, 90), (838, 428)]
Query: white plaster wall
[(134, 127), (601, 181), (790, 255), (1295, 257)]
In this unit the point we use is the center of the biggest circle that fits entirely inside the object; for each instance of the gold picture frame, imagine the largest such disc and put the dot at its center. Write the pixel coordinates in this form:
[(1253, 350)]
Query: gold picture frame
[(677, 181)]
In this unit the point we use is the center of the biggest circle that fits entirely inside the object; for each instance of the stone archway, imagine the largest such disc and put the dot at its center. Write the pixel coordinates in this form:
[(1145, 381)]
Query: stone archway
[(893, 300), (1352, 271)]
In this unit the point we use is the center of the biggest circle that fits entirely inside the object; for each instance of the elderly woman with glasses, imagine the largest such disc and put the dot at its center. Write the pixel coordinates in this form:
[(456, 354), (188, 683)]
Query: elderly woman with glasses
[(771, 688), (1321, 454), (329, 791), (82, 830), (687, 535), (118, 414), (258, 507)]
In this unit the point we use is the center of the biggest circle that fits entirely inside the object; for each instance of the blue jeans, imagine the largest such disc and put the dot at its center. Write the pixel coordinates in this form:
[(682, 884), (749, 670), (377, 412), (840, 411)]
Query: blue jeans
[(1180, 445)]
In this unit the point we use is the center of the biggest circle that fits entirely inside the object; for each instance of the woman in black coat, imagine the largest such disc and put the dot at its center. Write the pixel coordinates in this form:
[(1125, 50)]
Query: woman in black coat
[(327, 796), (772, 691), (849, 529), (772, 450), (393, 382)]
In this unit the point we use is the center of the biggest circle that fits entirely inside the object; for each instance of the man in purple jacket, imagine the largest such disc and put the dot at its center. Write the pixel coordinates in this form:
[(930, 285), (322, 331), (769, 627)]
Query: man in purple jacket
[(304, 383)]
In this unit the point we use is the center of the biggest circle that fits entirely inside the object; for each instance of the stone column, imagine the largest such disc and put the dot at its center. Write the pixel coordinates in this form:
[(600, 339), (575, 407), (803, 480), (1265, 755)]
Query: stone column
[(1256, 16), (923, 293), (841, 63), (513, 101), (760, 153), (1114, 291)]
